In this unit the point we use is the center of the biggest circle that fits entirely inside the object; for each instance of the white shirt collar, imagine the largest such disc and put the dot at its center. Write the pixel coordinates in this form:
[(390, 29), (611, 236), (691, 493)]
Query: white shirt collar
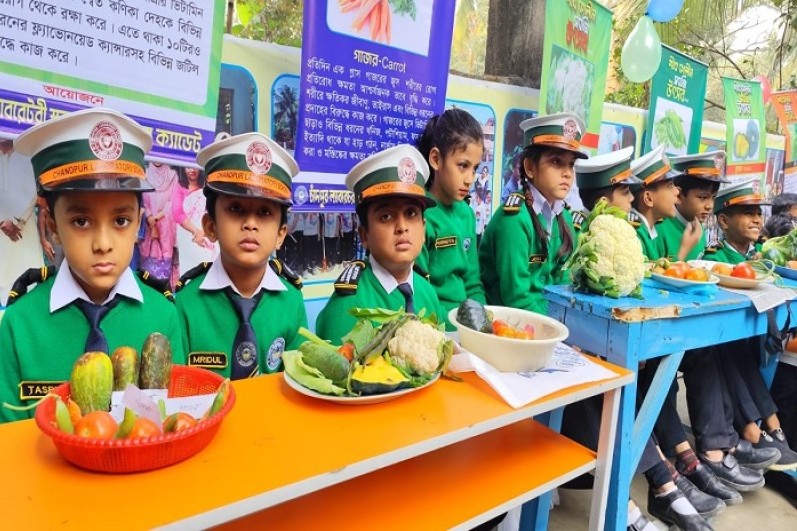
[(387, 280), (680, 218), (66, 289), (217, 279), (651, 230), (542, 206), (750, 250)]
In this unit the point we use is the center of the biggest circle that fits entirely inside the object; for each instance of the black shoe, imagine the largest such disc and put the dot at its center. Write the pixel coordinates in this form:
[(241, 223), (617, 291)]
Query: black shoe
[(734, 475), (639, 524), (662, 508), (755, 458), (776, 439), (706, 505), (785, 484), (704, 479)]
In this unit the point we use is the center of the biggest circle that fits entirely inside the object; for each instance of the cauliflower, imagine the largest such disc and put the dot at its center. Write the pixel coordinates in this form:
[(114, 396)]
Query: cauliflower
[(609, 258), (415, 347)]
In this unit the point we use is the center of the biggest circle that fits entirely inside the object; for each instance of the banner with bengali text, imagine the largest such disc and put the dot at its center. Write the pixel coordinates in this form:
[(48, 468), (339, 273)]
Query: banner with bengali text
[(785, 104), (155, 60), (371, 78), (745, 130), (677, 91), (575, 60)]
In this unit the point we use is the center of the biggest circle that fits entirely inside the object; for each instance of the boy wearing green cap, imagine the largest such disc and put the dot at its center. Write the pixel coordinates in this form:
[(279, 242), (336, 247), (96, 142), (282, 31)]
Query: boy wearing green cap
[(738, 210), (390, 200), (605, 176), (89, 167), (241, 312), (699, 177)]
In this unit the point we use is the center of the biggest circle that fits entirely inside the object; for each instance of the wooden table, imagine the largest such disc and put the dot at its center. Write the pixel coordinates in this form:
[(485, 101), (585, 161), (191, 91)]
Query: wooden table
[(660, 325), (449, 456)]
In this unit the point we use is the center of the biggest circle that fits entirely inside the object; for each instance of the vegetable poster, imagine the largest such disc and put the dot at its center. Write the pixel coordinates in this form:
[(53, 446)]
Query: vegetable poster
[(372, 74), (575, 60), (785, 104), (677, 91), (157, 61), (744, 127)]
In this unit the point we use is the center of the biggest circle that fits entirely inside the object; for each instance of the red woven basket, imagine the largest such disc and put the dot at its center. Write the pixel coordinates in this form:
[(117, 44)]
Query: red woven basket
[(137, 455)]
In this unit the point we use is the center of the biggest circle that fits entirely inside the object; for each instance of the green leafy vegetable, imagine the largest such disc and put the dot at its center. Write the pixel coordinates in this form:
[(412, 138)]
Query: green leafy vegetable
[(405, 7), (308, 376), (669, 130)]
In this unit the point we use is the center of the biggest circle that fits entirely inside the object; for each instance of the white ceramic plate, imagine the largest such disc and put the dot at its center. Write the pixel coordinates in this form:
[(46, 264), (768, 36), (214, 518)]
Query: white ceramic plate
[(683, 282), (353, 400), (727, 280)]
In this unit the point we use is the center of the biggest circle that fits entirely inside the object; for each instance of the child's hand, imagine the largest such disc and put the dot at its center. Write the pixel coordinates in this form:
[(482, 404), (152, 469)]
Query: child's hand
[(691, 237)]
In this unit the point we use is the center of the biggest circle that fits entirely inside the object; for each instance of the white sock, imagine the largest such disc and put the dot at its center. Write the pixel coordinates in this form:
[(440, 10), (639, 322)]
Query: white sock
[(680, 505), (634, 515)]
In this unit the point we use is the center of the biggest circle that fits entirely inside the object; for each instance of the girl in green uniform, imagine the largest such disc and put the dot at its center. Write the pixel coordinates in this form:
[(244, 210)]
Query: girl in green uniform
[(527, 242), (453, 146)]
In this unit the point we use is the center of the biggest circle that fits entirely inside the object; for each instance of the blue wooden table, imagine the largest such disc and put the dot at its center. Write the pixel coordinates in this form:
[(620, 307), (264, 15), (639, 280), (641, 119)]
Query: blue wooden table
[(663, 324)]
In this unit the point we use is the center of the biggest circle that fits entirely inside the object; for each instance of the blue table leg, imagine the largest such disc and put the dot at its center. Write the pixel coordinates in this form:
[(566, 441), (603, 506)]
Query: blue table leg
[(534, 516)]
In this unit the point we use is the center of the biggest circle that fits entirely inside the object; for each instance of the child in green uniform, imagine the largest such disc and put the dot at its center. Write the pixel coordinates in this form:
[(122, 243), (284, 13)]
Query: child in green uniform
[(608, 175), (654, 200), (528, 241), (89, 167), (453, 146), (238, 315), (738, 210), (390, 200), (699, 178)]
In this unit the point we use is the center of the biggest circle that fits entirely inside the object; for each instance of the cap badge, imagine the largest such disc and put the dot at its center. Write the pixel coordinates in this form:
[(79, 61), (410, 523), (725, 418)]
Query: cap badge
[(258, 157), (406, 170), (570, 130), (105, 141)]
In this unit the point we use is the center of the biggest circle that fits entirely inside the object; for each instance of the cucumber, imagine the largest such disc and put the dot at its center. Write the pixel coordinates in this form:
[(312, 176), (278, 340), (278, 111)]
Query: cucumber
[(91, 382), (156, 362), (125, 367), (326, 359)]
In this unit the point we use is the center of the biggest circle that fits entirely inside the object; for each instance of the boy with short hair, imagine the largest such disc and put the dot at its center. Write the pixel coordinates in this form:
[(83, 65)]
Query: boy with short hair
[(390, 200), (241, 312), (785, 204), (699, 177), (89, 167)]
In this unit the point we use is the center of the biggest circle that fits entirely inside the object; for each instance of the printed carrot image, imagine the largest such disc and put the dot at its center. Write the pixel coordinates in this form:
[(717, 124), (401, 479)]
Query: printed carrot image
[(376, 14)]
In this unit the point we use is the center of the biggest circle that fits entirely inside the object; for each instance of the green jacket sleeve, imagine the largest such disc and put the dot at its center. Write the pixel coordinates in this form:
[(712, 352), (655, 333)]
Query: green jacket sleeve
[(292, 343), (473, 279), (512, 250), (176, 336), (9, 372), (335, 321), (183, 321)]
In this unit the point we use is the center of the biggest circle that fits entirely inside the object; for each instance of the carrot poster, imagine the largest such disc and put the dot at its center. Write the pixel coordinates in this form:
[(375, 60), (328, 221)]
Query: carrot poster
[(372, 73)]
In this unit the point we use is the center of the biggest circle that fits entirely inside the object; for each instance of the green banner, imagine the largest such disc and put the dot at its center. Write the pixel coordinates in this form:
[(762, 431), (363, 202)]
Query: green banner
[(744, 126), (675, 117), (575, 60)]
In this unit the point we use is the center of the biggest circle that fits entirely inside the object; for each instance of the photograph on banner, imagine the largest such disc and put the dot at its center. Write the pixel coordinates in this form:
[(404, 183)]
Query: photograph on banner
[(785, 105), (615, 137), (402, 25), (677, 91), (481, 192), (575, 62), (744, 123), (238, 102), (285, 111), (107, 54), (513, 147), (362, 91)]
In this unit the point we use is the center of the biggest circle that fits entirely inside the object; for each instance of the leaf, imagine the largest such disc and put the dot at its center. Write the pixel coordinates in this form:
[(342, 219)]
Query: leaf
[(308, 376), (379, 315), (361, 334), (244, 12)]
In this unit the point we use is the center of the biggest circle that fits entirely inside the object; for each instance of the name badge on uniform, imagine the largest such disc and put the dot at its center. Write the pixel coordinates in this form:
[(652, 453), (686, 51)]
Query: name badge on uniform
[(448, 241), (208, 360), (537, 259), (35, 389)]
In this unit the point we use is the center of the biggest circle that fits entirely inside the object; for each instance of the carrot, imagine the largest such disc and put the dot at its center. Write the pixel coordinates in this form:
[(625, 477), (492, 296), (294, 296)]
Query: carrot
[(349, 5), (387, 29), (385, 20), (374, 21), (364, 13)]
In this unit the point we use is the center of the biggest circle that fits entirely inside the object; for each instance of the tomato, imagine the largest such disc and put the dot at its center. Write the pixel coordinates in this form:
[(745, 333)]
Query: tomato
[(743, 270), (178, 422), (680, 266), (502, 328), (96, 425), (674, 272), (722, 269), (144, 427), (698, 274)]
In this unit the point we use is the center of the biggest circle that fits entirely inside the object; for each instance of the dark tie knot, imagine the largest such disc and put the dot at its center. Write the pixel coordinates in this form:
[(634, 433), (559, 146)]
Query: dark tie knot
[(406, 290)]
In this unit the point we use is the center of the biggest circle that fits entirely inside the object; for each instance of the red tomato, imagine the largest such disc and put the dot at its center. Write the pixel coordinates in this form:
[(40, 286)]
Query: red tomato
[(96, 425), (143, 427), (179, 422), (743, 270)]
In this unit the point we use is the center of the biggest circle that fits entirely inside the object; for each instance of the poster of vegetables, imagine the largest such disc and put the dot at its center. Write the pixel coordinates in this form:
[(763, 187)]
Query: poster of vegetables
[(402, 24), (744, 120), (677, 91), (785, 104), (575, 60)]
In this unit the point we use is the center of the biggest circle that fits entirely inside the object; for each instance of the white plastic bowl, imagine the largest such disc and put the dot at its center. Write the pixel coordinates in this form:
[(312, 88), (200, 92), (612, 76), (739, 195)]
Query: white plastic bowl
[(509, 354)]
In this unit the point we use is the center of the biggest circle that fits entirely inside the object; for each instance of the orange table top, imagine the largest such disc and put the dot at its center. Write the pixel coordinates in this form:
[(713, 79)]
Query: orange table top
[(274, 446)]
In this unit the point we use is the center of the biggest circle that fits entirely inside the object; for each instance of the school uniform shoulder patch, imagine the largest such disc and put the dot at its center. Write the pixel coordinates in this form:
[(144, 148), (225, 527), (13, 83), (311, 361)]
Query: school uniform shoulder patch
[(514, 202), (537, 259), (274, 355), (161, 286), (191, 274), (285, 272), (421, 271), (36, 389), (579, 217), (34, 275), (634, 219), (346, 284)]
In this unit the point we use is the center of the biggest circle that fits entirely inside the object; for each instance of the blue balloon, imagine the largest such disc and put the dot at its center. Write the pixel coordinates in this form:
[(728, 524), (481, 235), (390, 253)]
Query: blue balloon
[(664, 10)]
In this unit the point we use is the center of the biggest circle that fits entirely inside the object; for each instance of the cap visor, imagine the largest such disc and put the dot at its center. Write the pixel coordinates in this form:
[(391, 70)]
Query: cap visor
[(246, 191), (102, 184)]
